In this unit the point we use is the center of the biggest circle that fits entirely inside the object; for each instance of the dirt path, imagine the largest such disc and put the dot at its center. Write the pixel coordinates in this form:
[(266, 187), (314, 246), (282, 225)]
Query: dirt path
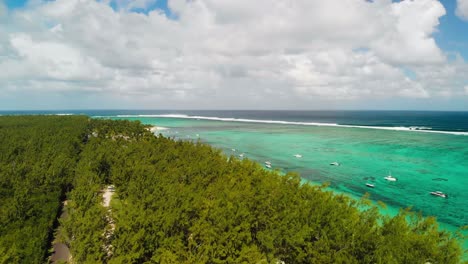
[(108, 233), (61, 253), (61, 250)]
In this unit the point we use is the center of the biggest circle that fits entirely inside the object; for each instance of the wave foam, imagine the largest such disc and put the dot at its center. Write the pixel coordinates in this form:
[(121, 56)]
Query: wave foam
[(280, 122)]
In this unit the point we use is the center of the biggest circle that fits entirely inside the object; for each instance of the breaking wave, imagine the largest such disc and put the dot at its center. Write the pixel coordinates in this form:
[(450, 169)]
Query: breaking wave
[(280, 122)]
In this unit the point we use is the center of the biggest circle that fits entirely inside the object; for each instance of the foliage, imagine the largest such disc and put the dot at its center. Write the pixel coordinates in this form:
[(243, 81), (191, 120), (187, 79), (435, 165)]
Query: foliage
[(185, 202), (37, 163)]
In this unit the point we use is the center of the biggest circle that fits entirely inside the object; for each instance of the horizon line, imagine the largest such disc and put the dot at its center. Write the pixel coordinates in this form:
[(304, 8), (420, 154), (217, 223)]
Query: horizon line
[(283, 110)]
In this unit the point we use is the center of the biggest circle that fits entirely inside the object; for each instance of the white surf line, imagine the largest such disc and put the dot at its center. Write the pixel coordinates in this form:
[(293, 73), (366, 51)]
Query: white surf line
[(280, 122), (106, 199)]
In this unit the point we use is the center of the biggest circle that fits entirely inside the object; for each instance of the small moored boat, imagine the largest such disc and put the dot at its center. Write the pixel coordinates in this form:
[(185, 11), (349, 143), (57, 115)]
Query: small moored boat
[(268, 166), (390, 177), (298, 155), (370, 185), (268, 162), (335, 164), (439, 193)]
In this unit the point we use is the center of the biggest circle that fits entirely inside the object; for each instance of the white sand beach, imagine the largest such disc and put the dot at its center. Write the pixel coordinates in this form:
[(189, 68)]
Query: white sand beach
[(157, 128)]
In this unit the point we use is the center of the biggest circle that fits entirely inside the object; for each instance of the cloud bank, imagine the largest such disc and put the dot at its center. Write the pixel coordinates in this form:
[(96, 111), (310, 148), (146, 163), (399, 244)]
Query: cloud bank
[(462, 9), (229, 54)]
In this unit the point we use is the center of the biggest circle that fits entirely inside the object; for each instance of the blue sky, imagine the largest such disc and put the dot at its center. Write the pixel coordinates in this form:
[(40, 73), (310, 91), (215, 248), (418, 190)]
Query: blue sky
[(234, 54), (453, 32), (15, 3), (155, 5)]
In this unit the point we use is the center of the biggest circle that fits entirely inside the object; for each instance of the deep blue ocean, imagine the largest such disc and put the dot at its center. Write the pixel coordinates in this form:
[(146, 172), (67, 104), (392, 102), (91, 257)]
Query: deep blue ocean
[(425, 120)]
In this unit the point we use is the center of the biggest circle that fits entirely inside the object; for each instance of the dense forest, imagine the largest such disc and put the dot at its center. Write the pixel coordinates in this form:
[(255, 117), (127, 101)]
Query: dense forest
[(182, 202), (38, 156)]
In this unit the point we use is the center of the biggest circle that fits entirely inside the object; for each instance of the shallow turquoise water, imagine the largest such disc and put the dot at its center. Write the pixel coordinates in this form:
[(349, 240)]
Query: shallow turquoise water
[(422, 162)]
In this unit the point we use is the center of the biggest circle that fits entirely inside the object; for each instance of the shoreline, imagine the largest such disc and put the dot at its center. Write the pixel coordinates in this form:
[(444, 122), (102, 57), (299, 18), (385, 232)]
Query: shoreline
[(157, 128), (389, 210)]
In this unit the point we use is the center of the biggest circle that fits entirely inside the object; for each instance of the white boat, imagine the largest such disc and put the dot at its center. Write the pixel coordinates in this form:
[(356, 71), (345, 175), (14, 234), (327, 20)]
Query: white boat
[(268, 166), (370, 185), (241, 155), (439, 193), (389, 177), (298, 155), (233, 150), (268, 162), (335, 164)]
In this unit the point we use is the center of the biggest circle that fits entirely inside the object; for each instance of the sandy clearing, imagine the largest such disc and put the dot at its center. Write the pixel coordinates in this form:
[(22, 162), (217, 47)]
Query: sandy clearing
[(107, 195)]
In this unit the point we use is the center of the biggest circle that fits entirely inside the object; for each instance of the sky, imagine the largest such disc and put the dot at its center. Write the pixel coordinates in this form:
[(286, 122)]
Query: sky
[(234, 54)]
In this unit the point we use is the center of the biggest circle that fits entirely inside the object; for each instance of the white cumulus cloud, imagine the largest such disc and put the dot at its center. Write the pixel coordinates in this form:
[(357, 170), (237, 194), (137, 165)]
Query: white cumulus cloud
[(462, 9), (229, 54)]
